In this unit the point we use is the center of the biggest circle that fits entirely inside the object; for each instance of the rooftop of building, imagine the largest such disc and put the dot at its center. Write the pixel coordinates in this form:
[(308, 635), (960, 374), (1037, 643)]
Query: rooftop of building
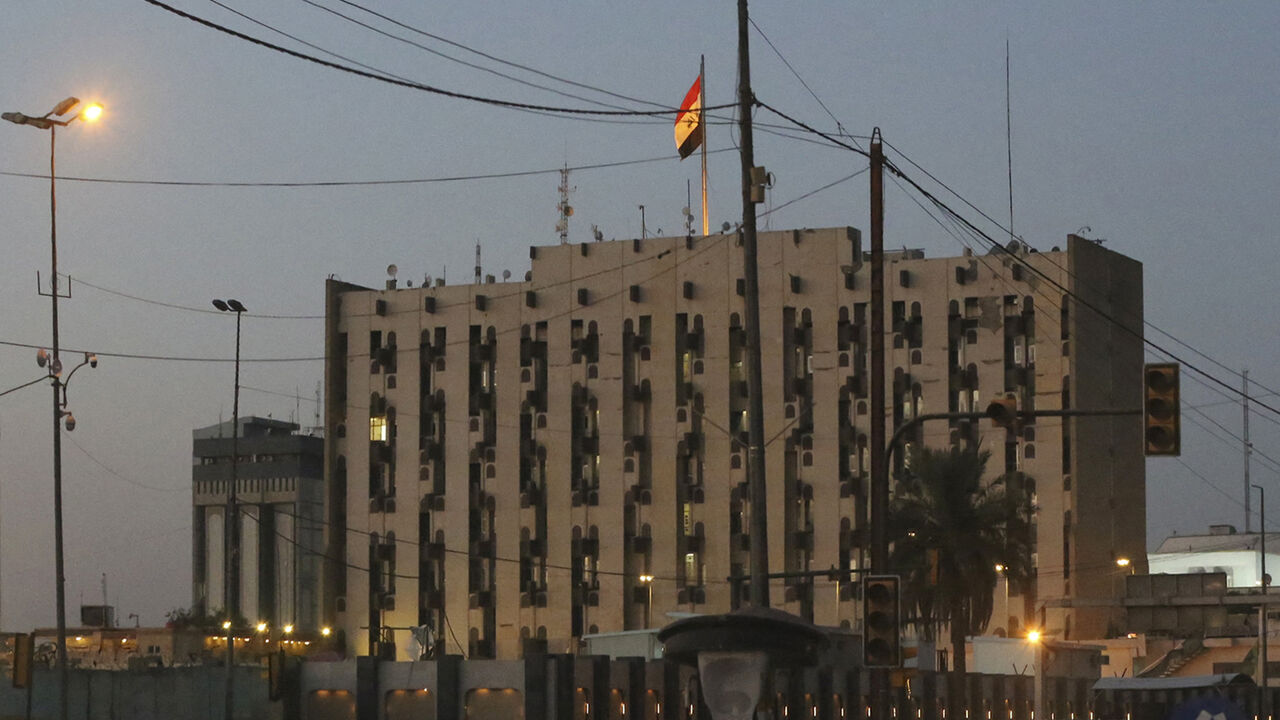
[(1017, 248), (1219, 538), (251, 426)]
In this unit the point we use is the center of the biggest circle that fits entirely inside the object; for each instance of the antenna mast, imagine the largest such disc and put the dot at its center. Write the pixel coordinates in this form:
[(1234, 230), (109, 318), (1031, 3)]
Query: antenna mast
[(566, 210), (477, 262)]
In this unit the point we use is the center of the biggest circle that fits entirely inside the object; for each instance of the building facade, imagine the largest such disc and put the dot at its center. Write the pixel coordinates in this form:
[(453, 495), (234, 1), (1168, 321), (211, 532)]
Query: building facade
[(514, 465), (279, 490)]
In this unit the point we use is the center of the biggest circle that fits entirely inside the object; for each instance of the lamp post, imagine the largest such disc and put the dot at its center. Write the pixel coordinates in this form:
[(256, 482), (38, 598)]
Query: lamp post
[(49, 121), (1002, 571), (231, 524), (1263, 706), (647, 581), (1037, 686)]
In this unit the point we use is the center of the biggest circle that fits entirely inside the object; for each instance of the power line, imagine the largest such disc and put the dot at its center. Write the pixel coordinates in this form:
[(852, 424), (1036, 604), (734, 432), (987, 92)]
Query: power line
[(811, 193), (487, 56), (168, 358), (450, 58), (420, 86), (1000, 248), (995, 222), (350, 183)]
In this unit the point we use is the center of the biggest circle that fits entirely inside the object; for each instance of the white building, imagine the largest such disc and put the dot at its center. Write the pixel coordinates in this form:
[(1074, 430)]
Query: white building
[(1221, 550)]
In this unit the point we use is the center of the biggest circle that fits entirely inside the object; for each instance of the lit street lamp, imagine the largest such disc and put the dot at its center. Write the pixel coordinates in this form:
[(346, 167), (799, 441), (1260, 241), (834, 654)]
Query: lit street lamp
[(49, 121), (231, 544), (647, 581)]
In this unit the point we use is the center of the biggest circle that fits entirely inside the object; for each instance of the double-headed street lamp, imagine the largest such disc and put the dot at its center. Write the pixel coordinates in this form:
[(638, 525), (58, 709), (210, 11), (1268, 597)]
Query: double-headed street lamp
[(49, 121), (231, 525)]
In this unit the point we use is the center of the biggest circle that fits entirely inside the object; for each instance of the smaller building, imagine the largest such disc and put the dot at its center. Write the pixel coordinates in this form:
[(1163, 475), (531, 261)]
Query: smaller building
[(1223, 550), (279, 491)]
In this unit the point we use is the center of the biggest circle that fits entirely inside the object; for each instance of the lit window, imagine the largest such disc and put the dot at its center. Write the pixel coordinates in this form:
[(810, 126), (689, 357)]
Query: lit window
[(378, 428)]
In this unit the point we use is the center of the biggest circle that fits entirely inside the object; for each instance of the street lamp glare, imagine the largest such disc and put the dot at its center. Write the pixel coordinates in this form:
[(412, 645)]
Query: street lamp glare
[(91, 112), (1122, 562), (1033, 636)]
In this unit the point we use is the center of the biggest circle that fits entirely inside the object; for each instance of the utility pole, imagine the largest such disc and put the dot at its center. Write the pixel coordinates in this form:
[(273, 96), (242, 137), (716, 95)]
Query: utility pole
[(879, 677), (1248, 451), (751, 279)]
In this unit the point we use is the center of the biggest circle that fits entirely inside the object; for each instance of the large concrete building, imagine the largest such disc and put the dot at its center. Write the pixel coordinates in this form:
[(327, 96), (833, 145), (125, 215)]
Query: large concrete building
[(509, 463), (279, 489)]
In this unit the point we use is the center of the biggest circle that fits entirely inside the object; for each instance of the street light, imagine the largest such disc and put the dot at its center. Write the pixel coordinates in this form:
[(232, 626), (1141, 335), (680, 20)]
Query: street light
[(231, 544), (647, 581), (1002, 571), (1037, 687), (49, 121)]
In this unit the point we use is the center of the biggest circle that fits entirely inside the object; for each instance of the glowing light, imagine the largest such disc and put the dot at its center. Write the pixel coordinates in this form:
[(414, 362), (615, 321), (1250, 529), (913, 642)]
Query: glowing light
[(92, 112), (326, 631), (1122, 562), (1033, 636), (262, 627), (288, 629), (226, 624)]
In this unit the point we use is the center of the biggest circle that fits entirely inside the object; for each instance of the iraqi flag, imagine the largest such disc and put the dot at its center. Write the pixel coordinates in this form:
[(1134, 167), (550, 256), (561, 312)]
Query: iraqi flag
[(689, 121)]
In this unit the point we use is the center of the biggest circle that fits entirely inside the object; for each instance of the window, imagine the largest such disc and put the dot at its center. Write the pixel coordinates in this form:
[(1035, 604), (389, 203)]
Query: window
[(378, 428)]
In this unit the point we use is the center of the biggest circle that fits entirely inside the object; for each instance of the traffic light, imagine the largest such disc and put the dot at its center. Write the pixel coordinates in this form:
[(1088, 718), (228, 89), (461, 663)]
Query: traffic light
[(881, 634), (1161, 414), (1003, 411)]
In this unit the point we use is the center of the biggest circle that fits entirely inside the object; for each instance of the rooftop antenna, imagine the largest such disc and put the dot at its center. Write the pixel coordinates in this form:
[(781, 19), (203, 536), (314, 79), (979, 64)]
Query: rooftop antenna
[(318, 405), (566, 210), (478, 262), (595, 233), (644, 231)]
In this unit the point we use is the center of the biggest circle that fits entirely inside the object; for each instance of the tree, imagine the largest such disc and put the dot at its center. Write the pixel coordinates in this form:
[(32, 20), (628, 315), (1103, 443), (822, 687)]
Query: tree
[(949, 530)]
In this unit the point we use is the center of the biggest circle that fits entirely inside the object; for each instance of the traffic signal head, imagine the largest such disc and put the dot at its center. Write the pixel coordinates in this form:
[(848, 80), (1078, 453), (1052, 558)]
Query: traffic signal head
[(1161, 413), (1003, 411), (881, 622)]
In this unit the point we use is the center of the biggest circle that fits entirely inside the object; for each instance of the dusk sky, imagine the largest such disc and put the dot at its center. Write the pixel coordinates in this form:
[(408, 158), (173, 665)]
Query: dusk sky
[(1152, 126)]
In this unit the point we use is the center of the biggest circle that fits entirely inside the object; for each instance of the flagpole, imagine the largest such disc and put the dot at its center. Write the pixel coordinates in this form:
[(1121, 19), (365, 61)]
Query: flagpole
[(702, 123)]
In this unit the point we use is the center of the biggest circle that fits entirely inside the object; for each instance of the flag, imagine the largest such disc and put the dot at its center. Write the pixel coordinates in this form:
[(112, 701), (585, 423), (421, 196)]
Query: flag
[(689, 121)]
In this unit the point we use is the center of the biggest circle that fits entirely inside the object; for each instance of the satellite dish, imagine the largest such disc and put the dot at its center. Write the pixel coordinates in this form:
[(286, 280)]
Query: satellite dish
[(685, 210), (724, 227), (506, 275), (392, 270), (426, 280)]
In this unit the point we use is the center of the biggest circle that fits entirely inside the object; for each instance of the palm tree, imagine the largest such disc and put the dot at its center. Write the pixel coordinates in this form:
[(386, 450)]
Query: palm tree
[(950, 529)]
